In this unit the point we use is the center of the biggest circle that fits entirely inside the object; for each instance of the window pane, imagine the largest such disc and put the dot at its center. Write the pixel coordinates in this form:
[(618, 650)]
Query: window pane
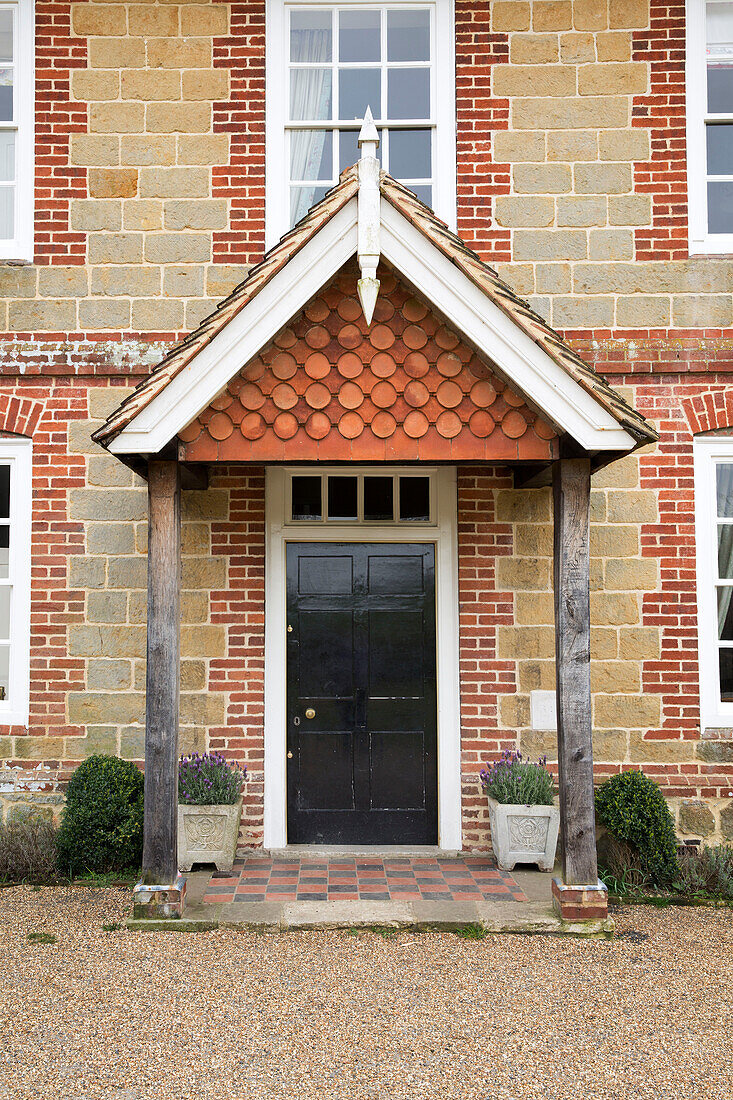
[(408, 35), (6, 35), (720, 150), (310, 36), (4, 672), (720, 207), (342, 498), (311, 154), (359, 36), (725, 614), (408, 93), (302, 198), (378, 498), (310, 94), (724, 489), (424, 193), (415, 498), (7, 155), (306, 498), (6, 95), (349, 148), (4, 550), (410, 154), (719, 33), (5, 492), (726, 675), (359, 89), (5, 590), (725, 551)]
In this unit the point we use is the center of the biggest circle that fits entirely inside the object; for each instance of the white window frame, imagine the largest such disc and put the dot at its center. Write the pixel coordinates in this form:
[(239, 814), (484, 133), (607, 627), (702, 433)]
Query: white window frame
[(708, 451), (360, 473), (442, 532), (18, 454), (20, 247), (443, 117)]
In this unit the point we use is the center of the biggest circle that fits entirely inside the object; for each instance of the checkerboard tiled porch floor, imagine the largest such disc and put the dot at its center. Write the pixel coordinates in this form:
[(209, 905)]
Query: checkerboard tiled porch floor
[(473, 878)]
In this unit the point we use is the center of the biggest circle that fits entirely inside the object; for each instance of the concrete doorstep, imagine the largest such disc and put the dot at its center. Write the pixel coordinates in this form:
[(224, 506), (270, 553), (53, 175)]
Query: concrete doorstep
[(535, 916)]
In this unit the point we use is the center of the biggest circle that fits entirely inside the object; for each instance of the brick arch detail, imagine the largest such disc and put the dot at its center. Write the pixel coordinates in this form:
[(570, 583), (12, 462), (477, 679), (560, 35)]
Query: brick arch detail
[(19, 415), (710, 411)]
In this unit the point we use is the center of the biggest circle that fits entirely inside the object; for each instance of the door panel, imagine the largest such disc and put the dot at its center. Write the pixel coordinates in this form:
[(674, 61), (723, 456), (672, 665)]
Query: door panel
[(361, 661)]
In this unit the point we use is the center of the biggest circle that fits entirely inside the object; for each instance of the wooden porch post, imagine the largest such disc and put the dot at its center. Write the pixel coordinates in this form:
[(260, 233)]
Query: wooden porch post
[(160, 856), (571, 494)]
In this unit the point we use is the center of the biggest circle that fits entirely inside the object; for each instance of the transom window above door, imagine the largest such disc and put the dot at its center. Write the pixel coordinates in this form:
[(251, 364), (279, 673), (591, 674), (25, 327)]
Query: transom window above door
[(332, 62), (376, 497)]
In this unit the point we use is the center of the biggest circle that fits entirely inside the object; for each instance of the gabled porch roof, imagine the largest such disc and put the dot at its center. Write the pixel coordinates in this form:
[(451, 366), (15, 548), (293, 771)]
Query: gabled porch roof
[(522, 349)]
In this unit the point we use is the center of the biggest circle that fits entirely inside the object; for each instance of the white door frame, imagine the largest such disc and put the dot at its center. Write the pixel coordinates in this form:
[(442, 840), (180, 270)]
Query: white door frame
[(442, 532)]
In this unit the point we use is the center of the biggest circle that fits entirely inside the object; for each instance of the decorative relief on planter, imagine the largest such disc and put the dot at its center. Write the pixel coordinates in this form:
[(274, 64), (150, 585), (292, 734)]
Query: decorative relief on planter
[(331, 388), (528, 834), (204, 832)]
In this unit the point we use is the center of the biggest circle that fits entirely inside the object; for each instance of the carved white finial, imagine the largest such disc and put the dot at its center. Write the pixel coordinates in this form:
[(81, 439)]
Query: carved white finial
[(368, 249)]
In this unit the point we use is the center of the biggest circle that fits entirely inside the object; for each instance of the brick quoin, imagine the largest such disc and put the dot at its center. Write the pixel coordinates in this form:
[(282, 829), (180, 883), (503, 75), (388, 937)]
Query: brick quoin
[(58, 53)]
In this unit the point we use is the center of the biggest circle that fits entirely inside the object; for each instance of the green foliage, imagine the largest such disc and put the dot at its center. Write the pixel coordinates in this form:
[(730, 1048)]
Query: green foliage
[(28, 850), (472, 932), (102, 828), (633, 810), (706, 872), (517, 782), (41, 937)]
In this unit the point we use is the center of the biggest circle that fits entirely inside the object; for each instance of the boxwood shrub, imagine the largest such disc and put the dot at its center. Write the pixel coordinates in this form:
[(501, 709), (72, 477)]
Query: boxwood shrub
[(634, 812), (102, 826)]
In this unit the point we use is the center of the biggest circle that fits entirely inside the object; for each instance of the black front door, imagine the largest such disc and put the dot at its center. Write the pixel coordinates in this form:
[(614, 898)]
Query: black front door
[(361, 694)]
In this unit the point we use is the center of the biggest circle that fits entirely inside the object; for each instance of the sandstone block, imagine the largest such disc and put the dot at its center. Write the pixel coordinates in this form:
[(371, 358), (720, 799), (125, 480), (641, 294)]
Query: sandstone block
[(194, 607), (110, 504), (702, 310), (204, 573), (624, 144), (610, 745), (183, 282), (111, 538), (107, 471), (205, 504), (578, 48), (552, 15), (512, 147), (94, 149), (115, 248), (221, 279), (106, 607), (603, 643), (121, 641), (614, 608), (533, 539), (602, 179), (523, 506), (520, 277), (62, 282), (39, 748), (178, 248), (597, 506), (111, 707), (116, 118), (514, 711), (148, 149), (98, 739), (122, 280), (195, 539), (179, 118), (206, 709), (534, 608), (98, 19), (536, 80), (632, 506), (553, 278), (536, 675), (513, 211), (639, 643), (146, 19), (95, 215), (98, 316), (642, 311), (193, 675), (611, 244), (570, 145), (541, 179), (623, 474), (510, 16), (132, 743), (95, 84), (628, 13), (613, 46), (210, 19), (614, 78), (716, 752), (115, 53), (203, 640), (18, 282), (627, 711), (589, 15), (87, 572), (197, 309), (150, 85), (515, 573), (696, 818), (630, 210), (536, 743), (200, 84), (726, 821), (80, 441), (570, 113), (154, 315), (179, 53), (137, 607), (127, 572), (582, 312), (572, 211), (525, 641), (560, 244), (533, 49), (203, 149), (49, 316), (199, 214), (144, 215), (177, 183), (610, 677)]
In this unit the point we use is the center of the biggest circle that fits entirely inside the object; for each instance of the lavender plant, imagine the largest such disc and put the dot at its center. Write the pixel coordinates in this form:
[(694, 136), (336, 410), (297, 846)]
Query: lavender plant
[(518, 782), (209, 780)]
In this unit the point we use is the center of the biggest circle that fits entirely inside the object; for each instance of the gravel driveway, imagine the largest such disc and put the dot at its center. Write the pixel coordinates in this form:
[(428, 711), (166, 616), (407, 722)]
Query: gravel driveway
[(132, 1016)]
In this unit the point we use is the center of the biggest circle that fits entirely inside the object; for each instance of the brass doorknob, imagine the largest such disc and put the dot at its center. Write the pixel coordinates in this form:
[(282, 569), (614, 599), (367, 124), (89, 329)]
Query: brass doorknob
[(310, 713), (290, 756)]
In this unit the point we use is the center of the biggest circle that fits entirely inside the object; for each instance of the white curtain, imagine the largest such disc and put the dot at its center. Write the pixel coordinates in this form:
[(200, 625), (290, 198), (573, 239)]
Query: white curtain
[(310, 91)]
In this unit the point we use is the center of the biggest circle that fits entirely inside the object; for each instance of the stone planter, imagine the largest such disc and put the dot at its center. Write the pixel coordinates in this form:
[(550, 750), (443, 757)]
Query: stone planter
[(208, 834), (524, 834)]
